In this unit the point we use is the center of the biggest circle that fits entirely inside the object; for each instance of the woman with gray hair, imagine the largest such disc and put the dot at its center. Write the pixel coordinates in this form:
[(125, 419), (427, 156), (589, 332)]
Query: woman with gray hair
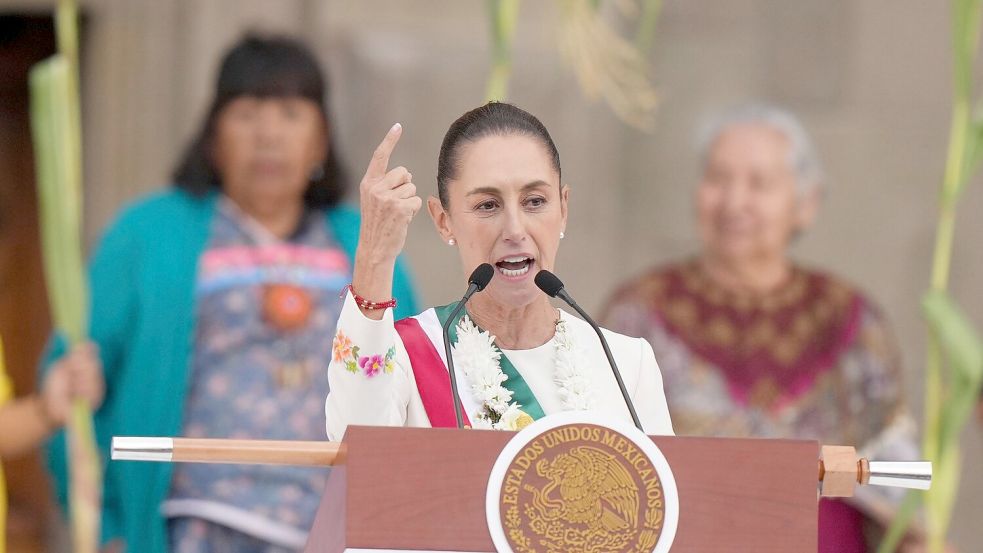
[(752, 344)]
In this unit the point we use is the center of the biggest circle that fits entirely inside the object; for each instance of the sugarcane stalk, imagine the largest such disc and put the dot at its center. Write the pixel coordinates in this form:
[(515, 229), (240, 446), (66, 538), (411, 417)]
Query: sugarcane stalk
[(56, 127)]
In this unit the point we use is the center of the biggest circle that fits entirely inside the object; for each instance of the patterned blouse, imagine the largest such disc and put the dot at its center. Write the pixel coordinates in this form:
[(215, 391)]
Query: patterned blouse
[(813, 359), (266, 311)]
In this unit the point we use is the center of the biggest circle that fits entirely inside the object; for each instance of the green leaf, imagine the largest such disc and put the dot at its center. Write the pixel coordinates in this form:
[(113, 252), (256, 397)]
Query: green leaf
[(963, 351), (960, 341), (974, 147), (58, 168)]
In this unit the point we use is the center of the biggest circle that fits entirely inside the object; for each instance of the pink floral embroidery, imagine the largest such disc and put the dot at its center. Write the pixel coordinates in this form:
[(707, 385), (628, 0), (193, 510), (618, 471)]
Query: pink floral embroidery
[(344, 351), (371, 364)]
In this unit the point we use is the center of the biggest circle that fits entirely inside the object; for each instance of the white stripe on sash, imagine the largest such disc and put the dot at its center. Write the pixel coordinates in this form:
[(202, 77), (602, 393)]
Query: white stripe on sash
[(431, 327)]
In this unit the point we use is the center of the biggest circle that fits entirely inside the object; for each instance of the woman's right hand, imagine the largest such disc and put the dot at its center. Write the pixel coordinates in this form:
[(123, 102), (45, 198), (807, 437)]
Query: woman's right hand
[(388, 204)]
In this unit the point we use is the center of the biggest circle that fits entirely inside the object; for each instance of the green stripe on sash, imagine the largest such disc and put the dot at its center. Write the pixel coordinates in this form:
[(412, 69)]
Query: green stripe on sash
[(521, 394)]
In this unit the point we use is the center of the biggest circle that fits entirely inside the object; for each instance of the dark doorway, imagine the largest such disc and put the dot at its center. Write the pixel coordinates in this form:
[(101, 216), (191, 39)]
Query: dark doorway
[(24, 319)]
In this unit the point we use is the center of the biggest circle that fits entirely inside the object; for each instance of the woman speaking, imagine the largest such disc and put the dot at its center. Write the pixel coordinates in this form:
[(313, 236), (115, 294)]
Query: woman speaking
[(516, 357)]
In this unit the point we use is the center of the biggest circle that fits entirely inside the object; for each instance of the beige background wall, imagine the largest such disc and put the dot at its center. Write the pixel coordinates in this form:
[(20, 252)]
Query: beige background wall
[(870, 79)]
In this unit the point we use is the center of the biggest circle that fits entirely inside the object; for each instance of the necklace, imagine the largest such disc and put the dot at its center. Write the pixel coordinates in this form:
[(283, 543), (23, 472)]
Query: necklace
[(479, 359)]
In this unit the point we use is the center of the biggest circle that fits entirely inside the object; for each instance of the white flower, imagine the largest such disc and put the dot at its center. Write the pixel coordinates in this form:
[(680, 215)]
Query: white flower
[(479, 359), (573, 385), (475, 353), (481, 423), (509, 418)]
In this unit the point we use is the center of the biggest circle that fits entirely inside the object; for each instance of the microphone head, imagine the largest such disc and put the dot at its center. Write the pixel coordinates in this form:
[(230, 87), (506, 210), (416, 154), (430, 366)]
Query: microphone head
[(481, 276), (549, 283)]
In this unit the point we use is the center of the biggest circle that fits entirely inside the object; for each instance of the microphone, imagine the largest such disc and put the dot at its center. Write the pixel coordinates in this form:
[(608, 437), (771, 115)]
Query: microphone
[(553, 287), (479, 278)]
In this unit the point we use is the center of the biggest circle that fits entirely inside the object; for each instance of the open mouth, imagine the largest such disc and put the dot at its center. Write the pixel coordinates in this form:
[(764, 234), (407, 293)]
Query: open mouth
[(514, 266)]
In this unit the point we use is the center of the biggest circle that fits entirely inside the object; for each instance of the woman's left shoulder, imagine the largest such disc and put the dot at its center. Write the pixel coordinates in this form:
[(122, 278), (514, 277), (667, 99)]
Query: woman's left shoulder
[(620, 344)]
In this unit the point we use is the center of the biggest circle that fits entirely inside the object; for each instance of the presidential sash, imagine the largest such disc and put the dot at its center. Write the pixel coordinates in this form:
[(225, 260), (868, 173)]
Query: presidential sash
[(425, 346)]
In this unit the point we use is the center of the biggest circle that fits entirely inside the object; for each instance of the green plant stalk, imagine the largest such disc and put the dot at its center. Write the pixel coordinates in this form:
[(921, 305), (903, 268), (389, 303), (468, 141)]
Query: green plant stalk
[(61, 251), (961, 349), (902, 519), (56, 123), (645, 35), (942, 420), (66, 30), (942, 497), (941, 262), (497, 89), (504, 15), (939, 500), (936, 389), (59, 200)]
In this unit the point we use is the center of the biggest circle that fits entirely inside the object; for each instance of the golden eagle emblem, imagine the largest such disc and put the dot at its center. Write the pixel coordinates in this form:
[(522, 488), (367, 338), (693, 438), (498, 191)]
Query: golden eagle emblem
[(589, 496), (581, 488), (594, 489)]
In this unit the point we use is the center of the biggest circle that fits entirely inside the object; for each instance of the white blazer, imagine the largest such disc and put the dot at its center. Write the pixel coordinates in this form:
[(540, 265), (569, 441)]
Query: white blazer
[(392, 398)]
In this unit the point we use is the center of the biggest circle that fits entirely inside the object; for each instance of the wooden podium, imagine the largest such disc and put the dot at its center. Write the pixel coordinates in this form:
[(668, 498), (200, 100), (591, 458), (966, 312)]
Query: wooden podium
[(424, 490)]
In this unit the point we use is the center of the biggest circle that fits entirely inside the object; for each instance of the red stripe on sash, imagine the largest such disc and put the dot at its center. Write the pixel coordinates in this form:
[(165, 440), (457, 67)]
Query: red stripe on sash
[(432, 379)]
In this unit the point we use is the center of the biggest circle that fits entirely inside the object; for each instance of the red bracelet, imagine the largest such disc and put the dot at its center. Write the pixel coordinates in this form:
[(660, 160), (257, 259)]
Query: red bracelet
[(368, 304)]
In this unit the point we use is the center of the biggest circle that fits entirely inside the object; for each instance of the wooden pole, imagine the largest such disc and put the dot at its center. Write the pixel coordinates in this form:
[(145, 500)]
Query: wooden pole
[(255, 452), (840, 470)]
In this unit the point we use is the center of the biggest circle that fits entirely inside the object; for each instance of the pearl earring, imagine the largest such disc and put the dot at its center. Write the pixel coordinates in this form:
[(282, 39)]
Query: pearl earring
[(451, 242), (561, 235)]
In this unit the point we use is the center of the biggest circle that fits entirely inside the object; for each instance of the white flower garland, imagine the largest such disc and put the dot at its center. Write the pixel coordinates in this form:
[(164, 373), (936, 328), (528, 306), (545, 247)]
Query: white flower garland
[(568, 373), (478, 357)]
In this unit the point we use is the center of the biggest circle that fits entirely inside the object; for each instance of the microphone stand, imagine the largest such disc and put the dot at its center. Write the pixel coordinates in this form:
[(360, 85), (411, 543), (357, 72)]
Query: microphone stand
[(552, 286), (562, 294), (479, 278), (446, 328)]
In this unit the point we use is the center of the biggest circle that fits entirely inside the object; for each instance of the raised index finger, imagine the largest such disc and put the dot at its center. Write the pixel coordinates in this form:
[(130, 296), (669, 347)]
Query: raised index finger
[(379, 164)]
